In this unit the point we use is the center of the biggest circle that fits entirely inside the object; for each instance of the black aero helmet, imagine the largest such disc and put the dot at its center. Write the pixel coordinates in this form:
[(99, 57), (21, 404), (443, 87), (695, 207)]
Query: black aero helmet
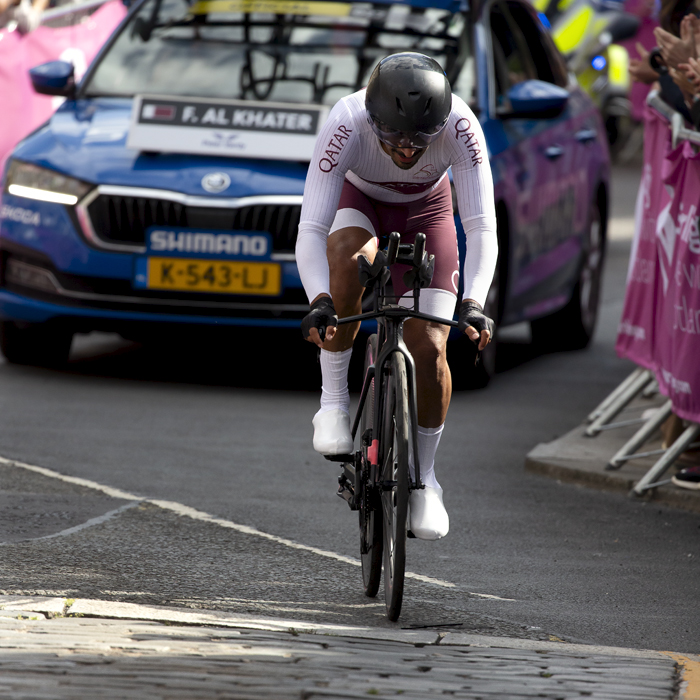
[(408, 100)]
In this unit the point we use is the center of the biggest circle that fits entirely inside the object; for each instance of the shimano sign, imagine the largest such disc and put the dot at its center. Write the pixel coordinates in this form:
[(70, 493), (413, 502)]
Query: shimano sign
[(241, 245)]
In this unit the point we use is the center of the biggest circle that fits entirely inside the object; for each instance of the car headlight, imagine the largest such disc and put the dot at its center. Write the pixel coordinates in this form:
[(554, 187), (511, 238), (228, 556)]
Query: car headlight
[(33, 182)]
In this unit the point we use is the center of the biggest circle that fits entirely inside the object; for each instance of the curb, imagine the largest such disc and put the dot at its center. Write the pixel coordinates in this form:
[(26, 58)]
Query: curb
[(86, 607), (577, 459), (687, 667)]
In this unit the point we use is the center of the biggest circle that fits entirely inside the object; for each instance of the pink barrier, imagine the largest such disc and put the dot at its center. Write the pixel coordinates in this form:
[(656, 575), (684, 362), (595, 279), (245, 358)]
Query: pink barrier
[(660, 326), (677, 346), (635, 339), (22, 110)]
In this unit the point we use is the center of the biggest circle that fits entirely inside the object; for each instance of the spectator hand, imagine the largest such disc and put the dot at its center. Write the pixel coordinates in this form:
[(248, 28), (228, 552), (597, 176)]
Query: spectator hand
[(680, 79), (691, 71), (28, 18), (640, 70), (675, 50)]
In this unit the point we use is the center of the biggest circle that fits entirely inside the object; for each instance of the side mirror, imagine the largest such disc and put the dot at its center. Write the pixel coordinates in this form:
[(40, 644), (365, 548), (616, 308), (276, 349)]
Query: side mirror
[(537, 98), (53, 78)]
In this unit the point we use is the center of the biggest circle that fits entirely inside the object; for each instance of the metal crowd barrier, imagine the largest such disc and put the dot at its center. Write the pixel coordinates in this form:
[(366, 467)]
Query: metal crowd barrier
[(641, 381), (679, 132)]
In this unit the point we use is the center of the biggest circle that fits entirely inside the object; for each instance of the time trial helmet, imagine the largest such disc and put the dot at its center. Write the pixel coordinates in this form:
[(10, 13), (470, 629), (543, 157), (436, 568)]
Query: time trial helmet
[(408, 100)]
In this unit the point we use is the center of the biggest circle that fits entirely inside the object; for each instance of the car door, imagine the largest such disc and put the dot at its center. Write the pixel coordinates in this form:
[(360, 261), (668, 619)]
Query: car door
[(541, 192)]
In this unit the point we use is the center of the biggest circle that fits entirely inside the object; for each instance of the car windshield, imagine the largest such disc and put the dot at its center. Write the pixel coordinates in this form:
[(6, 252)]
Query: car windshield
[(277, 50)]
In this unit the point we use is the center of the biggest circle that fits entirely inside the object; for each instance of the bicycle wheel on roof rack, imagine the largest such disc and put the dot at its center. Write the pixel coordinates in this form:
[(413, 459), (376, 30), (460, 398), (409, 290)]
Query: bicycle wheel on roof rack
[(394, 447), (370, 503)]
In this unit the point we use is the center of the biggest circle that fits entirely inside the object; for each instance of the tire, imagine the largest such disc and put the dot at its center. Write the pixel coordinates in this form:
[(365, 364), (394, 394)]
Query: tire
[(394, 469), (370, 503), (572, 327), (39, 344)]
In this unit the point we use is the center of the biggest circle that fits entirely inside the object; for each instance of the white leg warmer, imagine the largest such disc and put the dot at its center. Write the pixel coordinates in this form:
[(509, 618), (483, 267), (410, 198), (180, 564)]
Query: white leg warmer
[(428, 441), (334, 372)]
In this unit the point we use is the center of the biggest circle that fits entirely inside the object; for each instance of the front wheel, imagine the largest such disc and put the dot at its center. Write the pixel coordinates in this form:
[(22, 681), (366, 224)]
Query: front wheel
[(394, 447), (370, 507)]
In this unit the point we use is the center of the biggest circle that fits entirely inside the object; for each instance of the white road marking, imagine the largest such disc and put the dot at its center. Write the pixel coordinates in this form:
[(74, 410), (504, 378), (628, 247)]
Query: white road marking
[(199, 515), (98, 520), (189, 512), (114, 493), (493, 597)]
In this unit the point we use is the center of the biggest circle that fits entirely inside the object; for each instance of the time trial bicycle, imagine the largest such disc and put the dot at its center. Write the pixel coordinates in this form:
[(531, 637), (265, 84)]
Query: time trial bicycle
[(376, 479)]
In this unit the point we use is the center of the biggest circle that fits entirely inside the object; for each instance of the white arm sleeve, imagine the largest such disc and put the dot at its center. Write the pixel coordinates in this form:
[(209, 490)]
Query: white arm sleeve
[(475, 199), (312, 261), (332, 158), (482, 253)]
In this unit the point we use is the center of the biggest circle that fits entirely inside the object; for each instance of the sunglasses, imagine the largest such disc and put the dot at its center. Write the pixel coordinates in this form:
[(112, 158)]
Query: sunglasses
[(401, 139)]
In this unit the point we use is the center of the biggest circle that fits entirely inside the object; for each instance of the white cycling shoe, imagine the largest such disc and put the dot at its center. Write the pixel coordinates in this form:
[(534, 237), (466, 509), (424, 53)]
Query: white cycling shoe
[(428, 517), (332, 434)]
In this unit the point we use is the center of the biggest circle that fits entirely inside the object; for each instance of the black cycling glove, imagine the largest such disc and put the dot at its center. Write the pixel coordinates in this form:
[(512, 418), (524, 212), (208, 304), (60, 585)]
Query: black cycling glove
[(472, 314), (321, 316)]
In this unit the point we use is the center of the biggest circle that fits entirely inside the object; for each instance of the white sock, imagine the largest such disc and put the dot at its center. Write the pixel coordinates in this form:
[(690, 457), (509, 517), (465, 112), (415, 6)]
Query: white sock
[(334, 373), (428, 441)]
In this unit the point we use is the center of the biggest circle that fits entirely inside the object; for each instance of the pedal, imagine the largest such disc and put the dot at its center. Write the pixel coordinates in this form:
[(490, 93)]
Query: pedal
[(346, 491), (340, 458)]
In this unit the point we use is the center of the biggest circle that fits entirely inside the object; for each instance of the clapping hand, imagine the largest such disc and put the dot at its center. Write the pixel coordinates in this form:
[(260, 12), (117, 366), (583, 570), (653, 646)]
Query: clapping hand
[(640, 69), (676, 50)]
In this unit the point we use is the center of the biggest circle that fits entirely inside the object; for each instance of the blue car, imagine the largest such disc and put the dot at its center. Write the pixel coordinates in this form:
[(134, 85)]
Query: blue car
[(165, 192)]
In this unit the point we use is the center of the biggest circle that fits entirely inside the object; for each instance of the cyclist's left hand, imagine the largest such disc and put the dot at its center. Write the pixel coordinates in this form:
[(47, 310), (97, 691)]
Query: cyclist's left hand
[(473, 322)]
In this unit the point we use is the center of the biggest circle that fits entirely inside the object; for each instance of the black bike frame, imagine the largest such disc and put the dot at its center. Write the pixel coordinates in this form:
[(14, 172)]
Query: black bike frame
[(390, 320)]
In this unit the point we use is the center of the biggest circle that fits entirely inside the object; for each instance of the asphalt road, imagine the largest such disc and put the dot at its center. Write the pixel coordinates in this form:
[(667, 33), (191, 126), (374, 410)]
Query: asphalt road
[(224, 430)]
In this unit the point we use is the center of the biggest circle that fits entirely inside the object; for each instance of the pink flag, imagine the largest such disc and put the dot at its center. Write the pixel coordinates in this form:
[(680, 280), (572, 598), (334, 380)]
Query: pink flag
[(677, 344), (21, 109), (635, 339)]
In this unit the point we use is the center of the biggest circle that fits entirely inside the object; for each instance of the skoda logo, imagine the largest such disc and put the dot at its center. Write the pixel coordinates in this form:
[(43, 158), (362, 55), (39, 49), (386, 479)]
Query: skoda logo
[(216, 182)]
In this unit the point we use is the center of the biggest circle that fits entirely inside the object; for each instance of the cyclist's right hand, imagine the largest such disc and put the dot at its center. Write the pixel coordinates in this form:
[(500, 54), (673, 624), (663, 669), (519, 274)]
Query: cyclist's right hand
[(320, 323), (475, 324)]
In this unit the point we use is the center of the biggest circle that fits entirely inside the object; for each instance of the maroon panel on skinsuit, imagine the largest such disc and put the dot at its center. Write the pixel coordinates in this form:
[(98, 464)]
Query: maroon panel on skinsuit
[(431, 215)]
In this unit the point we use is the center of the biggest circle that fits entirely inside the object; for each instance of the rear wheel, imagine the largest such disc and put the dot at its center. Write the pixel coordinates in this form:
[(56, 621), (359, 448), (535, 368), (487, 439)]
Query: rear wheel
[(394, 447), (572, 327), (40, 344), (370, 504)]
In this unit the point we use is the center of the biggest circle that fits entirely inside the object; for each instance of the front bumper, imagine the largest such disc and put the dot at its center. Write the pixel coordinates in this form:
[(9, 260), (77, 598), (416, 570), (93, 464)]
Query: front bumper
[(16, 307)]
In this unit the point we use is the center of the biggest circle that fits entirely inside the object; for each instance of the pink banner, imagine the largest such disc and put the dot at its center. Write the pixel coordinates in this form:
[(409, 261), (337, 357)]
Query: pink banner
[(22, 109), (635, 339), (677, 344)]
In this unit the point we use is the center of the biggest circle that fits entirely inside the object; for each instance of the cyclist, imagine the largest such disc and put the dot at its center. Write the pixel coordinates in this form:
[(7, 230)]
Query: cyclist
[(380, 165)]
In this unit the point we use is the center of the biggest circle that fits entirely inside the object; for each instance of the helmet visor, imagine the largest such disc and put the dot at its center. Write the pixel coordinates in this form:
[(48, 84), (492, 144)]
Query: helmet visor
[(402, 139)]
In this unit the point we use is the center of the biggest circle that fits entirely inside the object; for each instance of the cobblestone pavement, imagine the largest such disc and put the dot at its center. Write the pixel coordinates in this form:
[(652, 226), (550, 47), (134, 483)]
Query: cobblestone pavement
[(50, 649)]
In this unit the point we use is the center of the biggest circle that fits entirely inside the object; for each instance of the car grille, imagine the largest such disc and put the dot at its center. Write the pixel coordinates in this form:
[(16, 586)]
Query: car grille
[(120, 219)]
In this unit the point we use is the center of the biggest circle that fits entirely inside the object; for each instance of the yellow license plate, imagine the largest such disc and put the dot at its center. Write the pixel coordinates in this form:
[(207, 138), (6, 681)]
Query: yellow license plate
[(222, 276)]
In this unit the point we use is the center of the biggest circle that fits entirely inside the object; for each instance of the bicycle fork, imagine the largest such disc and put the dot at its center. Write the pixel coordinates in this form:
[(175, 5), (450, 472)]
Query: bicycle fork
[(396, 344)]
